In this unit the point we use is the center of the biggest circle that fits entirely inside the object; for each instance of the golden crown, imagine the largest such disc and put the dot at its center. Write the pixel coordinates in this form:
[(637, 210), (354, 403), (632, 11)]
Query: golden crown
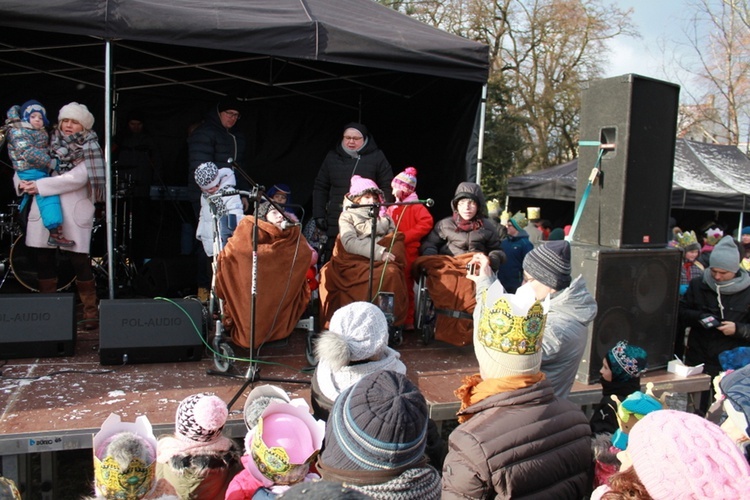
[(502, 329), (520, 219), (274, 462), (686, 238), (130, 484)]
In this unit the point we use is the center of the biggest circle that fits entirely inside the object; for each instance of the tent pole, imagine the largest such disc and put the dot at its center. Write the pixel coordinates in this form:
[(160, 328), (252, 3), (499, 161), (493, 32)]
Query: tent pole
[(108, 163), (480, 142)]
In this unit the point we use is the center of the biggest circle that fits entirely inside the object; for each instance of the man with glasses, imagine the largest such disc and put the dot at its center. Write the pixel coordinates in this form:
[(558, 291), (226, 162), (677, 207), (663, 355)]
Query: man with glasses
[(355, 154), (217, 140)]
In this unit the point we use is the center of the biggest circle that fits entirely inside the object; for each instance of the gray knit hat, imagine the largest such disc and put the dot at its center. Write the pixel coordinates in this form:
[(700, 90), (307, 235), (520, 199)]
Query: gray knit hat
[(549, 264), (725, 255), (379, 423)]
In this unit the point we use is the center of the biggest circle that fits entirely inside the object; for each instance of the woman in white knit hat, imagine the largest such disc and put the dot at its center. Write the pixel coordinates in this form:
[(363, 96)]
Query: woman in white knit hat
[(78, 177)]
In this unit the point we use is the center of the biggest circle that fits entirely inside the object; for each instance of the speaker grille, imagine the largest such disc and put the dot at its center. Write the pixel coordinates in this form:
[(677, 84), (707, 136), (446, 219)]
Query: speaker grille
[(636, 291)]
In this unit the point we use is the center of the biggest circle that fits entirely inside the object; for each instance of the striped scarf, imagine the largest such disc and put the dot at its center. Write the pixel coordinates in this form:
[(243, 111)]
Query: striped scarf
[(82, 146)]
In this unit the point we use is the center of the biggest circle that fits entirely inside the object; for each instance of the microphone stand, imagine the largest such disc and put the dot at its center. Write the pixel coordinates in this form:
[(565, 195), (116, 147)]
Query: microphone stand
[(253, 372)]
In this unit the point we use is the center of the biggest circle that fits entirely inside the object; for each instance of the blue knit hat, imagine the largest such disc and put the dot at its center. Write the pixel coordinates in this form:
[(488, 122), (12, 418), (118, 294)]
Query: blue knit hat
[(33, 106), (626, 361), (379, 423), (745, 230), (734, 359)]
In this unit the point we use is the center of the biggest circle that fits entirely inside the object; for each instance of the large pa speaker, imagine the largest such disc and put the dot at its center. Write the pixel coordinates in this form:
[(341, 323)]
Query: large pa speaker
[(637, 292), (37, 325), (150, 331), (628, 206)]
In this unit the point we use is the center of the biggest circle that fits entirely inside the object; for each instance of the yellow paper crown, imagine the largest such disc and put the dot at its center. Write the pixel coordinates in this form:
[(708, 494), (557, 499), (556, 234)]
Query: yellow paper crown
[(132, 483), (534, 212), (520, 219), (112, 480), (504, 217), (493, 207), (686, 238), (502, 328)]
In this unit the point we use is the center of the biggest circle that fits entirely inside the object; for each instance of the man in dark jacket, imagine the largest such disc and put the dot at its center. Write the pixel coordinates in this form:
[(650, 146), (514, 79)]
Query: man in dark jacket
[(721, 293), (516, 438), (217, 140), (356, 153)]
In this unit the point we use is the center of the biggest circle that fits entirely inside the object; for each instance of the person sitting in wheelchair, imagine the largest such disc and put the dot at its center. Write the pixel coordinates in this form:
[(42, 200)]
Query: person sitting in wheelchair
[(345, 278)]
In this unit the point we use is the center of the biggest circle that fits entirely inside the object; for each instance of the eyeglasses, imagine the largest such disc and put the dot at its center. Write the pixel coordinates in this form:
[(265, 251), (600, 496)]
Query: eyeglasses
[(350, 138), (232, 114)]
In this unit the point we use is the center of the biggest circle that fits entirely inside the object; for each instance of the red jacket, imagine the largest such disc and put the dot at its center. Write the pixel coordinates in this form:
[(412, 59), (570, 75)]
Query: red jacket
[(415, 221)]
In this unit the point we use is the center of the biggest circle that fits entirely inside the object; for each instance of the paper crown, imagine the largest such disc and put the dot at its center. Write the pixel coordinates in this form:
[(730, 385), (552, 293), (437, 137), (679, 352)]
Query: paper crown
[(514, 324), (110, 479), (504, 217), (519, 220), (713, 235), (534, 212), (274, 462), (686, 239), (493, 206)]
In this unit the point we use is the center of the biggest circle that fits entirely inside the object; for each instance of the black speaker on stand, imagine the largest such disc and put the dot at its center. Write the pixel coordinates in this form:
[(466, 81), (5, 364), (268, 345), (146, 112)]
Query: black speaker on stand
[(629, 204), (637, 292)]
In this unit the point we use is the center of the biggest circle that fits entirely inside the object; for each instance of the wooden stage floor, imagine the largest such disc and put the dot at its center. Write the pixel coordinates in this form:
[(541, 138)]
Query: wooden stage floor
[(55, 404)]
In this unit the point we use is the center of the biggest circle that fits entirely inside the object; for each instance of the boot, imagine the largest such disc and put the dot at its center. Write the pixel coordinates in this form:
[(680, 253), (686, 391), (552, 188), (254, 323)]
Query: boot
[(48, 285), (56, 239), (87, 293)]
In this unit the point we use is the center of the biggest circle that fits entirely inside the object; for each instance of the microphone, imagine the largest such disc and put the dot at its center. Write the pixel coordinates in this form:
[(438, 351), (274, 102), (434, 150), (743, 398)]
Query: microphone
[(286, 224), (225, 193)]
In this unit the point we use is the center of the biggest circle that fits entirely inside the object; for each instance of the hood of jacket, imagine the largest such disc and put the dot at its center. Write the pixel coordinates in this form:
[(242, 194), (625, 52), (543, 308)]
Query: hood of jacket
[(470, 190), (575, 302)]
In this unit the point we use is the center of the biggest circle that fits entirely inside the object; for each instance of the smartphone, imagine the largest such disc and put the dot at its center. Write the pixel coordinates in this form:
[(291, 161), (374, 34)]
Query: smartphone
[(472, 268), (710, 322)]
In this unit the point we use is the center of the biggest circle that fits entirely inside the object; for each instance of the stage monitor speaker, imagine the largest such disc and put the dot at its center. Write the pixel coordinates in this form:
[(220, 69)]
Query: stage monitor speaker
[(629, 204), (150, 331), (637, 292), (37, 325)]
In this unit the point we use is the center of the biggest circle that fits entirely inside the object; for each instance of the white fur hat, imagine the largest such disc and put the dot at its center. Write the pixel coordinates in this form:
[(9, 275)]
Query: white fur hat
[(77, 112), (357, 332)]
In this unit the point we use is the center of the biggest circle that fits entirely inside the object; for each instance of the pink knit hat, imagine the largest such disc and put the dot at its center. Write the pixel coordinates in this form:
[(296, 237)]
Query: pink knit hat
[(680, 455), (361, 185), (406, 181)]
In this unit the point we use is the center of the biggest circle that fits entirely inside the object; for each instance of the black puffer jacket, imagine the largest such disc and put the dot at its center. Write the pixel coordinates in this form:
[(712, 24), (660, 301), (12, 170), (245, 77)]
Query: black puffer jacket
[(446, 239), (705, 344), (212, 142), (525, 443), (334, 177)]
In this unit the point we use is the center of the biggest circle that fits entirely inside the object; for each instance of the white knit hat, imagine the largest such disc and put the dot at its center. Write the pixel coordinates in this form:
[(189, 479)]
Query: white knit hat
[(77, 112), (356, 332)]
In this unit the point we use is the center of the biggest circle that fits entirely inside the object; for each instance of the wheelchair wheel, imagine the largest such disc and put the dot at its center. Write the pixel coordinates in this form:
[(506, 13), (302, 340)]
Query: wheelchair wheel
[(395, 336), (309, 352), (428, 332), (223, 360)]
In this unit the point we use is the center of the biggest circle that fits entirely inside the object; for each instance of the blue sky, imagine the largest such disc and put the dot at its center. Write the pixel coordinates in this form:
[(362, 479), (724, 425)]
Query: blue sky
[(660, 23)]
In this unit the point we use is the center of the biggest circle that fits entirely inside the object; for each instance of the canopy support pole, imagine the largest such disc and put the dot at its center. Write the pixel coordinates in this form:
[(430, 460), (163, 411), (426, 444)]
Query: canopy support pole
[(480, 143), (108, 164)]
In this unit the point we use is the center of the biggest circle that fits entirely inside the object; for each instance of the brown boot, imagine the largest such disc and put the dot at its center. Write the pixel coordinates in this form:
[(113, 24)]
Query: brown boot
[(48, 285), (87, 293), (56, 239)]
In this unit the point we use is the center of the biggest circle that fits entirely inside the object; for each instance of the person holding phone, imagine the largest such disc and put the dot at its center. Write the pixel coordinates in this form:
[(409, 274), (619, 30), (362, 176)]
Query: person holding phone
[(715, 307)]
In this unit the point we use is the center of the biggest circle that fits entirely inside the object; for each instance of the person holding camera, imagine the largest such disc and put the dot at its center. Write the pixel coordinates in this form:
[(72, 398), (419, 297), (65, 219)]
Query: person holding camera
[(715, 307)]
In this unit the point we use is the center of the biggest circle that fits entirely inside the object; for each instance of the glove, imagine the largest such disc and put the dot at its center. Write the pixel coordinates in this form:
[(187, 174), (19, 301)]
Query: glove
[(321, 223)]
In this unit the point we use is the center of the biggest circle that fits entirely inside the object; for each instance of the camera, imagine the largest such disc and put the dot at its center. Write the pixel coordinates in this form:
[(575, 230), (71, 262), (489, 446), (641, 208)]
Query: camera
[(472, 268)]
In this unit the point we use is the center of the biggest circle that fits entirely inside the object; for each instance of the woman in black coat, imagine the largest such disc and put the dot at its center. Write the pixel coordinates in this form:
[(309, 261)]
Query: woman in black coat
[(357, 153)]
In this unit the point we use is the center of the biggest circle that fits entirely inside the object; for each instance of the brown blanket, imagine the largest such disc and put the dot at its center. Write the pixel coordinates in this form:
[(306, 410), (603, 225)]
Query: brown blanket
[(282, 291), (344, 279), (450, 290)]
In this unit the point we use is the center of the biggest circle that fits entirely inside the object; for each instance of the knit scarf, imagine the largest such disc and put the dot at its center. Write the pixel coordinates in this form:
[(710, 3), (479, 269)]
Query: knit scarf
[(474, 389), (418, 481), (82, 146), (740, 282), (466, 225)]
